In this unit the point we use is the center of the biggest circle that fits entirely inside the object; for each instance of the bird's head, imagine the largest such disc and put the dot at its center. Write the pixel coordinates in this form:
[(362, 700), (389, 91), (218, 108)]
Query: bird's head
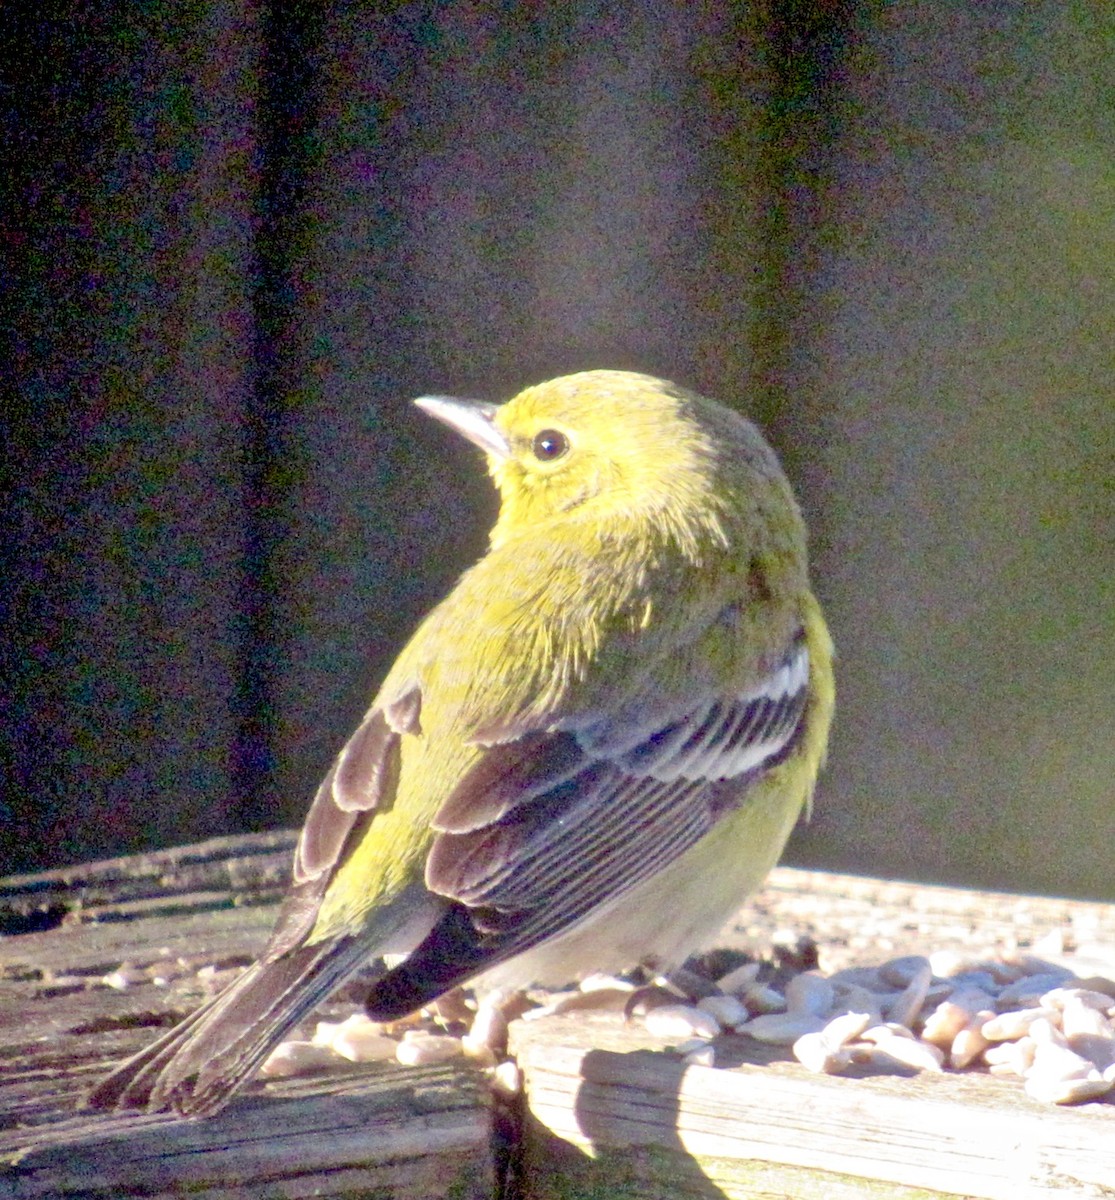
[(613, 446)]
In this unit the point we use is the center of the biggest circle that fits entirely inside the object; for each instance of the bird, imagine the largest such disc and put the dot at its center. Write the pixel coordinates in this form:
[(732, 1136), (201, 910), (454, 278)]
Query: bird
[(587, 755)]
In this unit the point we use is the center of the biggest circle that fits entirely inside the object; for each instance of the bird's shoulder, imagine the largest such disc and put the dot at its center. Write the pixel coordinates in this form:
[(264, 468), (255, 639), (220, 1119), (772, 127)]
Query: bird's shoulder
[(537, 633)]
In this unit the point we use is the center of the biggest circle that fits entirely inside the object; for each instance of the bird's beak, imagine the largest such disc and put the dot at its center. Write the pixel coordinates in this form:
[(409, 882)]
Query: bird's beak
[(469, 418)]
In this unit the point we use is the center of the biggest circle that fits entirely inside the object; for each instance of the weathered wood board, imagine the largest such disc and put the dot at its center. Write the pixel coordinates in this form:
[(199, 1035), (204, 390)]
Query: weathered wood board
[(139, 943), (95, 958), (759, 1124)]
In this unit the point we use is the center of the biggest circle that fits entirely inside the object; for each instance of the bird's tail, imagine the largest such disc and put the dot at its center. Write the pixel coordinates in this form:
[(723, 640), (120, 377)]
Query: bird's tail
[(199, 1064)]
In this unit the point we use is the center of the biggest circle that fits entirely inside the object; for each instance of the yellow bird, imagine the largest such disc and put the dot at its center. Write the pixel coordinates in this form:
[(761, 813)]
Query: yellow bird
[(587, 755)]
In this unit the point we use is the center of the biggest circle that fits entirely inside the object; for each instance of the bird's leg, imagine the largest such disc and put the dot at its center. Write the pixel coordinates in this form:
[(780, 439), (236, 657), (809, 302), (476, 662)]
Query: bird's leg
[(668, 987)]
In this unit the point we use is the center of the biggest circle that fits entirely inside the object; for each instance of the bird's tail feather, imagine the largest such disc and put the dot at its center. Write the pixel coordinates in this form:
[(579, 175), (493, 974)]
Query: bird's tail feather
[(200, 1063), (452, 952)]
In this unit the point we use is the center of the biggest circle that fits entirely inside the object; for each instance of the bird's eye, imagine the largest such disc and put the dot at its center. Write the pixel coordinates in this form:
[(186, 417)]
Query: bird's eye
[(549, 444)]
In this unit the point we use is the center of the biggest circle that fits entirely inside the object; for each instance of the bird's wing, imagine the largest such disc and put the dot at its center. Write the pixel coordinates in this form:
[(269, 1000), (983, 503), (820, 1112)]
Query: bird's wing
[(362, 777), (361, 781), (549, 825)]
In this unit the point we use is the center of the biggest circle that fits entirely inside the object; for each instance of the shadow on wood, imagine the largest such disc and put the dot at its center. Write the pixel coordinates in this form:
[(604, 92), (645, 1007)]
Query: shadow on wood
[(630, 1118)]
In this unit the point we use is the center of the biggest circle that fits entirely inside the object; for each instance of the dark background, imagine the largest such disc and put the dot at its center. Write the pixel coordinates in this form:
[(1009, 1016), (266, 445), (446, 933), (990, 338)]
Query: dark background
[(239, 241)]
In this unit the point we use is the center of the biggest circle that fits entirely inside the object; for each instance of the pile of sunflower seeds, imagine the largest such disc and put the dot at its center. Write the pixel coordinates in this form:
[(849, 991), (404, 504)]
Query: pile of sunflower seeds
[(1015, 1015), (1021, 1016)]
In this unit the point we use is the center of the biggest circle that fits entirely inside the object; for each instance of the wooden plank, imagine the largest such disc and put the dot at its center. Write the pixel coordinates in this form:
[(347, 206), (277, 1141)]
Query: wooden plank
[(423, 1132), (937, 1135), (127, 947), (856, 919), (221, 872), (99, 956)]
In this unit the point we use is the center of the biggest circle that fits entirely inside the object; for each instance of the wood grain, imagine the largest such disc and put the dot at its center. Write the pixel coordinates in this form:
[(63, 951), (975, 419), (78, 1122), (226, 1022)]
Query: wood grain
[(96, 958)]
